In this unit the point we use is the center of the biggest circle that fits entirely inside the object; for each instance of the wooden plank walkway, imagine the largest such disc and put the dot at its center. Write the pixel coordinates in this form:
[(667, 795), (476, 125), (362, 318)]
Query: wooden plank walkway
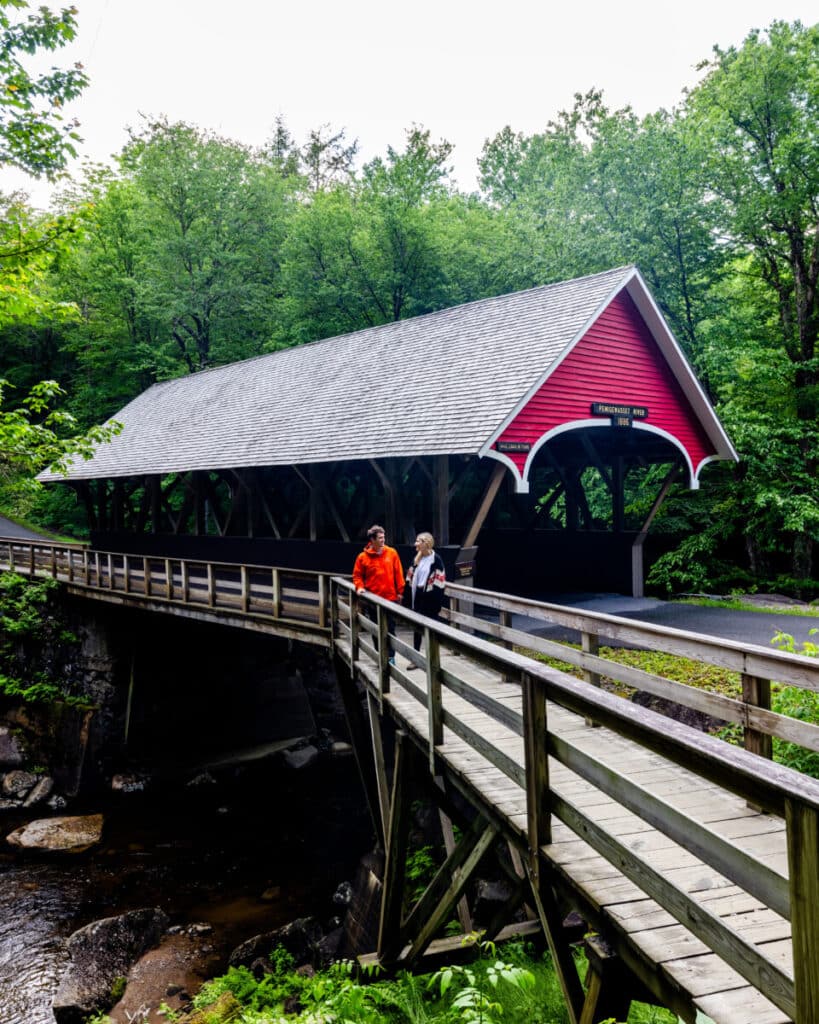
[(657, 939)]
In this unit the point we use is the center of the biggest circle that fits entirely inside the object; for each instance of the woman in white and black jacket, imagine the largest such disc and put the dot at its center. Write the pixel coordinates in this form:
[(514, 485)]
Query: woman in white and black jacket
[(425, 582)]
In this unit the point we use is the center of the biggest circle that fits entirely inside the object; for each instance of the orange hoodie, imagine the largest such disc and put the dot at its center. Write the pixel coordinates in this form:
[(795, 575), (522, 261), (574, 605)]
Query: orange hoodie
[(379, 572)]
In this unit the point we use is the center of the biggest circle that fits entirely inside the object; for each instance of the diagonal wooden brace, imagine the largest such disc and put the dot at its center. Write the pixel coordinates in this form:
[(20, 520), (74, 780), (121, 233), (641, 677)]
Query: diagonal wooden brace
[(443, 892), (551, 922)]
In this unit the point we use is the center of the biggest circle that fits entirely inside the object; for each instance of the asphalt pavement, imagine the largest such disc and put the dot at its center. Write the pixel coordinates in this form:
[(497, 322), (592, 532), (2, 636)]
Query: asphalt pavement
[(8, 528), (754, 627)]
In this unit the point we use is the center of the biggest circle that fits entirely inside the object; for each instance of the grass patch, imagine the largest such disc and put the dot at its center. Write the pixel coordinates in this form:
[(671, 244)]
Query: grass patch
[(737, 604), (669, 666), (509, 984)]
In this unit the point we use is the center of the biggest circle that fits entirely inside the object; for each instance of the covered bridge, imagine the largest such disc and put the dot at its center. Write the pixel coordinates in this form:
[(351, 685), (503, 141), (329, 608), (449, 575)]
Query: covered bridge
[(523, 427)]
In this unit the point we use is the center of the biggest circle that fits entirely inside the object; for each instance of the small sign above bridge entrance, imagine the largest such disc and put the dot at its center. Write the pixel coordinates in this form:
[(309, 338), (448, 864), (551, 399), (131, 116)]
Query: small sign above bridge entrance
[(621, 415), (513, 446)]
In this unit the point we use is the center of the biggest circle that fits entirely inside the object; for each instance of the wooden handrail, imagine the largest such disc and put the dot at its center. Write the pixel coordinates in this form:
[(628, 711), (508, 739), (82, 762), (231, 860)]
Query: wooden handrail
[(756, 666), (249, 593), (777, 789)]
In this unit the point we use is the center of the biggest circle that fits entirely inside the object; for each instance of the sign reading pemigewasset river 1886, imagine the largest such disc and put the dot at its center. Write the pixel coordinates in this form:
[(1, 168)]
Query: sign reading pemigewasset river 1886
[(621, 414)]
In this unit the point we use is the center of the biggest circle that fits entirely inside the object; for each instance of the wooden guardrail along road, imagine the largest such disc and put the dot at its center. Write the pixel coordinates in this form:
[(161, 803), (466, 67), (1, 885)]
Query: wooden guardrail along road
[(696, 861)]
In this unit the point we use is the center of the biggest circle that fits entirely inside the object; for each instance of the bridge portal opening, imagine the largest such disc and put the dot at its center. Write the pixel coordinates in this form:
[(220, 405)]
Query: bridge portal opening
[(584, 522)]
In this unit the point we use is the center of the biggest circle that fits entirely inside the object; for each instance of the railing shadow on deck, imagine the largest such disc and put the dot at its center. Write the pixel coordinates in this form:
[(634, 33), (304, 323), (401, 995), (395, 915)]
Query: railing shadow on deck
[(523, 748)]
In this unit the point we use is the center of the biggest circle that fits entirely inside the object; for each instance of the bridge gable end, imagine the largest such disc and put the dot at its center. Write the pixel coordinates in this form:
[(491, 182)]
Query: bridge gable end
[(616, 372)]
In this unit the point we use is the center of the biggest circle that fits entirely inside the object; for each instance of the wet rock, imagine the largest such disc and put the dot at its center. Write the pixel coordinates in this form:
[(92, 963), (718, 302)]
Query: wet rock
[(12, 750), (125, 783), (343, 894), (341, 749), (202, 779), (65, 835), (57, 802), (329, 946), (18, 784), (490, 896), (101, 953), (40, 792), (301, 758), (9, 805), (272, 894), (300, 938)]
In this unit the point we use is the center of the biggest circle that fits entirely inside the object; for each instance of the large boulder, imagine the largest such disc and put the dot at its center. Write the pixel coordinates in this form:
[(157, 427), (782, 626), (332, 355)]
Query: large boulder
[(101, 953), (40, 792), (301, 938), (73, 834), (18, 784)]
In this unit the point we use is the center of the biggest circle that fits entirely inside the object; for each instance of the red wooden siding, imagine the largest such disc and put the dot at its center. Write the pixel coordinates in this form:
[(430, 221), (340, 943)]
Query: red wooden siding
[(617, 360)]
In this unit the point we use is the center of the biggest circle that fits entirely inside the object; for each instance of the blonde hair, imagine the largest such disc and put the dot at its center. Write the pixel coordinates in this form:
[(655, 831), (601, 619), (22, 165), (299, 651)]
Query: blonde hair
[(425, 538)]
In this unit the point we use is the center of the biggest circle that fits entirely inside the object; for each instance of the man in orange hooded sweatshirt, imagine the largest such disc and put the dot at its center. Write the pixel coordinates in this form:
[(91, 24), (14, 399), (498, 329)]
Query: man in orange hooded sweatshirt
[(378, 567)]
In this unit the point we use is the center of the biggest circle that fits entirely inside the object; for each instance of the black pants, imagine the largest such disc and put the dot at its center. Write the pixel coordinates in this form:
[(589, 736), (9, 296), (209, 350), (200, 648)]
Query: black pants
[(416, 639)]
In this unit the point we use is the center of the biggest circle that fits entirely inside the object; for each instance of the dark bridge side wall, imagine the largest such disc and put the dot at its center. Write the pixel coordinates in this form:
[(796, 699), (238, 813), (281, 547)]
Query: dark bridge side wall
[(557, 561), (511, 561)]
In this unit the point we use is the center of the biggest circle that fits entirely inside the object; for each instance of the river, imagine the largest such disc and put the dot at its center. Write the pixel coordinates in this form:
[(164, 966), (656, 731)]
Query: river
[(255, 848)]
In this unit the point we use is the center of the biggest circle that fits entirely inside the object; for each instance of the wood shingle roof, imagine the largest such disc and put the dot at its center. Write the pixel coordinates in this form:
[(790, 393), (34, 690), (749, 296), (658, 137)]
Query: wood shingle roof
[(440, 383)]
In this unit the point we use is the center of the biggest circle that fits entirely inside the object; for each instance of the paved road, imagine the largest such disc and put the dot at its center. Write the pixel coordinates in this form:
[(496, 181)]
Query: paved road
[(11, 529), (745, 627)]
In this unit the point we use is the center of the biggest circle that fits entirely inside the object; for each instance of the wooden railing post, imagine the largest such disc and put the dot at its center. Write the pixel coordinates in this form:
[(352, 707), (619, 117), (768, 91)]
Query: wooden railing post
[(53, 563), (322, 600), (110, 571), (32, 562), (803, 871), (146, 576), (757, 691), (126, 574), (11, 556), (505, 621), (245, 584), (276, 593), (332, 611), (354, 630), (85, 566), (590, 644), (382, 621), (536, 762), (211, 586), (168, 580), (432, 649), (184, 573)]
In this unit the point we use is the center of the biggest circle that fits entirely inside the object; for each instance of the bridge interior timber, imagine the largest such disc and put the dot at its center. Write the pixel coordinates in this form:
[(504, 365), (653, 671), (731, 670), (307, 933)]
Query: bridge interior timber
[(696, 861)]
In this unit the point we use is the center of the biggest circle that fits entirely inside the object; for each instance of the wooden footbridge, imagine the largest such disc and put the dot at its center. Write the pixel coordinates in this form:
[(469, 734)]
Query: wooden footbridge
[(695, 862)]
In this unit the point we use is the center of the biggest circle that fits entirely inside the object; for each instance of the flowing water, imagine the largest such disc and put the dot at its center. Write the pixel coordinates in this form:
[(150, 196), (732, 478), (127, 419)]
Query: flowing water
[(203, 854)]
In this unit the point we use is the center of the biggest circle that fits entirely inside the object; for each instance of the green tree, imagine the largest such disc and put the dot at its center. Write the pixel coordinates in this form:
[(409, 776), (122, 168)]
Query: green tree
[(758, 111), (396, 241), (600, 188), (326, 157), (36, 137), (34, 133), (178, 268)]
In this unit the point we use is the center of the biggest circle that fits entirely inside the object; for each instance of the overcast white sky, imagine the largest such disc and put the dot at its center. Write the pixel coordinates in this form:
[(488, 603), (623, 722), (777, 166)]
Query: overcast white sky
[(462, 68)]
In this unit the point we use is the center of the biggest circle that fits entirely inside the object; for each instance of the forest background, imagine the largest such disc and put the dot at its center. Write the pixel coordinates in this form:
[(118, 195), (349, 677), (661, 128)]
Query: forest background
[(196, 250)]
